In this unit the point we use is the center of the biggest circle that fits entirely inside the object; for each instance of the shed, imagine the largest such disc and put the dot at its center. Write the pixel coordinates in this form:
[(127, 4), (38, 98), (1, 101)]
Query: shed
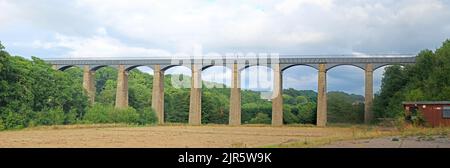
[(436, 113)]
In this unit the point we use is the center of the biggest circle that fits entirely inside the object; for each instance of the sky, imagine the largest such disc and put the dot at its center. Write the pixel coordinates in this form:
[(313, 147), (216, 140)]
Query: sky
[(146, 28)]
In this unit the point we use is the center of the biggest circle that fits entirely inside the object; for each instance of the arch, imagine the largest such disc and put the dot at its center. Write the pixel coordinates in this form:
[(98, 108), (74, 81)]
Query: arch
[(129, 68), (293, 65), (65, 67), (378, 66), (259, 81), (220, 73), (172, 66), (345, 80), (255, 65), (354, 65), (97, 67), (209, 66)]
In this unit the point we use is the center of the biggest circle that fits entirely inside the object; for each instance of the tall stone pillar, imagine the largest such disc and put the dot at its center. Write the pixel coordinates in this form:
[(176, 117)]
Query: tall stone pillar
[(89, 83), (235, 97), (277, 96), (195, 106), (368, 97), (322, 96), (158, 93), (122, 88)]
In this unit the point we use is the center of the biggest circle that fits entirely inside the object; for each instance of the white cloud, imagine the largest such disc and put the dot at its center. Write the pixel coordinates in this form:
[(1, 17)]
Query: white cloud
[(7, 9), (98, 46), (290, 6), (142, 28)]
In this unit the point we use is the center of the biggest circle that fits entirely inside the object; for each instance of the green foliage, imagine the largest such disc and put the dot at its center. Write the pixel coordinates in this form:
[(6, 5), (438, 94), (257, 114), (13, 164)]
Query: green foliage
[(54, 116), (418, 119), (2, 126), (215, 106), (345, 108), (14, 120), (1, 46), (30, 87), (260, 118), (147, 116), (426, 80), (100, 113)]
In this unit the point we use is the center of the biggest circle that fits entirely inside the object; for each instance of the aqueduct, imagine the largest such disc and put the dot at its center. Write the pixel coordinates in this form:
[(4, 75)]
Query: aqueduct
[(236, 64)]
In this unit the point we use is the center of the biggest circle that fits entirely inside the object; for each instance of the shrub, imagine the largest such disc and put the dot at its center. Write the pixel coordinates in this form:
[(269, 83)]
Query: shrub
[(108, 114), (71, 117), (14, 120), (49, 117), (147, 116), (2, 127), (98, 114), (260, 118), (418, 119), (126, 115)]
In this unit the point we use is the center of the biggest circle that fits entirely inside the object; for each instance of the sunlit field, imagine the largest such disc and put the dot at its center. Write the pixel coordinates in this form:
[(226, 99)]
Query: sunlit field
[(177, 135)]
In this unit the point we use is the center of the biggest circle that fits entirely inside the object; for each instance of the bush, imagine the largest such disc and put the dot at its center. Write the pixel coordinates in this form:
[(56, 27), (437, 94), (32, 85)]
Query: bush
[(98, 114), (147, 116), (14, 120), (418, 119), (260, 118), (108, 114), (71, 117), (50, 117), (2, 127), (126, 115)]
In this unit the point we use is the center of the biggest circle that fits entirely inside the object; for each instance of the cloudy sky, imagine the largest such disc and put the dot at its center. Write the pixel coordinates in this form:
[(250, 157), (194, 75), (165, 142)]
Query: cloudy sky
[(143, 28)]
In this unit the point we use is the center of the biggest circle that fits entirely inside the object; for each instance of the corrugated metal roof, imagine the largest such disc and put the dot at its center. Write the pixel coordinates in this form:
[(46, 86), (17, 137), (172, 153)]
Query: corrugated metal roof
[(427, 102)]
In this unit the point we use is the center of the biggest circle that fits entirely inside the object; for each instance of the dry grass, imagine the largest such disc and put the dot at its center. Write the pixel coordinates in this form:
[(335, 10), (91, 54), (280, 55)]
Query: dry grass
[(182, 135), (363, 132)]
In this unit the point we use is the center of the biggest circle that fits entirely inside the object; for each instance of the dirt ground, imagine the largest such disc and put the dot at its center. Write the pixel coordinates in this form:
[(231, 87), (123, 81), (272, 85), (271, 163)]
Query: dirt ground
[(395, 142), (183, 136)]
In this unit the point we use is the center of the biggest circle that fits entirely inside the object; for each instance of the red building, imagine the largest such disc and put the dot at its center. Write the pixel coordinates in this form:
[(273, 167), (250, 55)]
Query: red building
[(436, 113)]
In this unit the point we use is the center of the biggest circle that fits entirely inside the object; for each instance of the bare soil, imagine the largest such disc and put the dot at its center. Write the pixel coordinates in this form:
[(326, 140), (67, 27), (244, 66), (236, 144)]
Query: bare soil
[(395, 142)]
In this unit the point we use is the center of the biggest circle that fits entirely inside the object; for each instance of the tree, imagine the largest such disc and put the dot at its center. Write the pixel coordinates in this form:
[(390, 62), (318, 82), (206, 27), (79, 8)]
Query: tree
[(427, 79), (260, 118), (1, 46)]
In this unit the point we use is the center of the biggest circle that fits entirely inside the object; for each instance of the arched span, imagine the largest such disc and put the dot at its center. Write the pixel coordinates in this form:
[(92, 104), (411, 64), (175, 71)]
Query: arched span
[(217, 76), (354, 65), (172, 66), (209, 66), (95, 68), (255, 65), (63, 68), (129, 68), (293, 65), (375, 67)]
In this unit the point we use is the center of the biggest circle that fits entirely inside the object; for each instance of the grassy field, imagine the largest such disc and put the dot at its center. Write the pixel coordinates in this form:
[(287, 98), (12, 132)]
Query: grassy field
[(180, 135)]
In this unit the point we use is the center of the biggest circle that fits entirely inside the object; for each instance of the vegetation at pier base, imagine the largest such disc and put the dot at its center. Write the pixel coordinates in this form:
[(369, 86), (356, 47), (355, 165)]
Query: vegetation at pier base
[(427, 80)]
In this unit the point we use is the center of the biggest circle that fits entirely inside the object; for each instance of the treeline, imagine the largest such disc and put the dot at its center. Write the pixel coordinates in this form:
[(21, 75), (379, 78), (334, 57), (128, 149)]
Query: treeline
[(32, 93), (426, 80)]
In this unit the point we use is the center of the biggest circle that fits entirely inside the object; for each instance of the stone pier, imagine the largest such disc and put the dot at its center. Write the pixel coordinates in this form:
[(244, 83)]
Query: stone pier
[(368, 95), (235, 97), (158, 93), (122, 88), (277, 96), (89, 83), (195, 106), (322, 96)]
